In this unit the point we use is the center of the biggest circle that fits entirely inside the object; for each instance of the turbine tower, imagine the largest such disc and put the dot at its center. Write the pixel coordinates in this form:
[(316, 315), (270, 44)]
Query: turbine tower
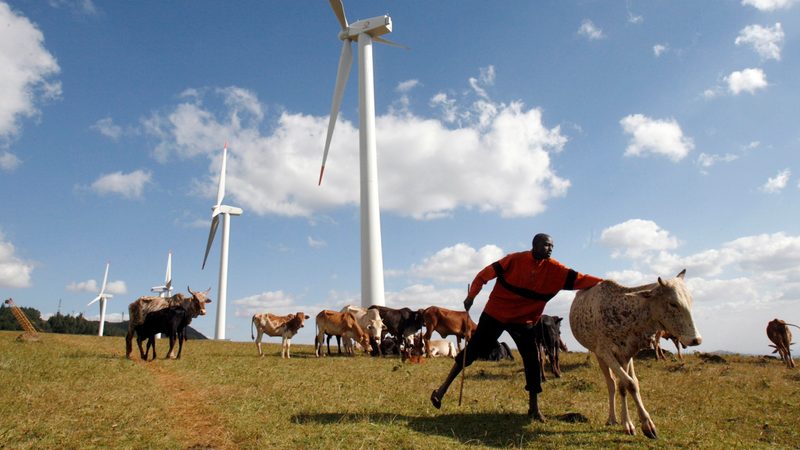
[(364, 32), (102, 297), (226, 212), (166, 289)]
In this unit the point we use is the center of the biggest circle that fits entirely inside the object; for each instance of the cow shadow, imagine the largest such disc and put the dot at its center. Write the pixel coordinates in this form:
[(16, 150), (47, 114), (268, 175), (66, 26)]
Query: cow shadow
[(493, 430)]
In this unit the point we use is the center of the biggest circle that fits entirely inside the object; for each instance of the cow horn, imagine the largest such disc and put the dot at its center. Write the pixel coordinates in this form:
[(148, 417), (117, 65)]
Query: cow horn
[(661, 282), (189, 289), (680, 275)]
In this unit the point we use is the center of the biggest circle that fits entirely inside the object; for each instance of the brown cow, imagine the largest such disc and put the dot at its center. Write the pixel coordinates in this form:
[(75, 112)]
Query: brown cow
[(447, 322), (339, 324), (663, 334), (778, 332), (194, 306), (284, 326)]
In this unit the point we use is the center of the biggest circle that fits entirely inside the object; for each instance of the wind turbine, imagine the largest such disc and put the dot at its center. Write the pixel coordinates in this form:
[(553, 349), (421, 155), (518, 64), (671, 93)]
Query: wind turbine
[(102, 297), (364, 32), (226, 212), (166, 289)]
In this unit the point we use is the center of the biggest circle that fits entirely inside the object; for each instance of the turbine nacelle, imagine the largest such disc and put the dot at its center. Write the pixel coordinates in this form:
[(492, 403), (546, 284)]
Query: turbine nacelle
[(225, 209), (374, 26)]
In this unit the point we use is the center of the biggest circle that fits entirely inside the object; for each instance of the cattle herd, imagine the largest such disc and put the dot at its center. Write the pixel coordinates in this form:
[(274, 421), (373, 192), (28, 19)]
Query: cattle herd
[(612, 321)]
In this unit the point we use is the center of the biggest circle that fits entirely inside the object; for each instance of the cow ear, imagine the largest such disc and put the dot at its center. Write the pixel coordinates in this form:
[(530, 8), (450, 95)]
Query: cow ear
[(307, 316), (680, 275), (558, 319)]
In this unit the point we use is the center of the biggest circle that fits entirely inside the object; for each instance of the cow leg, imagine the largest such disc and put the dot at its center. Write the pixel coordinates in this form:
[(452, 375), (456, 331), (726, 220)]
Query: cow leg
[(180, 343), (129, 341), (611, 385), (258, 341), (648, 427), (556, 364), (540, 350), (142, 353), (628, 383), (678, 347), (284, 348), (171, 354)]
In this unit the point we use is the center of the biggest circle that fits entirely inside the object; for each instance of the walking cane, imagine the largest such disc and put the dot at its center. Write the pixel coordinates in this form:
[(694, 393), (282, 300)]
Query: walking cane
[(464, 360)]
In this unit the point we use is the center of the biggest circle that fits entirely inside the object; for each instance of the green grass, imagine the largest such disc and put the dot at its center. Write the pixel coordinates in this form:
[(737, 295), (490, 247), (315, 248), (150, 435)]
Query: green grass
[(80, 392)]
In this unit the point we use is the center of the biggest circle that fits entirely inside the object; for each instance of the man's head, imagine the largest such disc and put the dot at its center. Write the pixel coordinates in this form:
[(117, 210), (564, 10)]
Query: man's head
[(542, 246)]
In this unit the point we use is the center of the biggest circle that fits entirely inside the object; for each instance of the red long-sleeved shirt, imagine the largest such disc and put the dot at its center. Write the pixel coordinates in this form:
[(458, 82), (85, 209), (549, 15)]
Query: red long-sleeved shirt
[(525, 284)]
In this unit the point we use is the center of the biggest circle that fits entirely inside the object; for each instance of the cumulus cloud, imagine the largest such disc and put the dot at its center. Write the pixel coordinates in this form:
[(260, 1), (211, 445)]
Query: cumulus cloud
[(314, 243), (747, 80), (458, 263), (108, 128), (590, 31), (767, 41), (117, 287), (496, 157), (659, 137), (659, 49), (275, 302), (26, 72), (128, 185), (706, 160), (769, 5), (14, 271), (777, 183), (9, 162), (405, 86), (636, 238)]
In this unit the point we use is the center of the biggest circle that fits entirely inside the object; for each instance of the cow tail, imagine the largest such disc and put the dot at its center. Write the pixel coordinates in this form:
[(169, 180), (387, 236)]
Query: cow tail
[(252, 322), (793, 325)]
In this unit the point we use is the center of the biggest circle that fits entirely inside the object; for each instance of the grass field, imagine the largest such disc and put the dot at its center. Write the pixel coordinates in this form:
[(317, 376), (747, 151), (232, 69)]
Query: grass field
[(80, 392)]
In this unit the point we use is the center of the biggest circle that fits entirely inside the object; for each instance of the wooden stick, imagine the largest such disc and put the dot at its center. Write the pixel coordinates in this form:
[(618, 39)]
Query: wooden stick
[(464, 361)]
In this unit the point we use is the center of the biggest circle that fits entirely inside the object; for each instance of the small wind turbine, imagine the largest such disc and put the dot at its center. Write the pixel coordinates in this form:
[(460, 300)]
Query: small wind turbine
[(102, 297), (226, 212), (364, 31), (166, 289)]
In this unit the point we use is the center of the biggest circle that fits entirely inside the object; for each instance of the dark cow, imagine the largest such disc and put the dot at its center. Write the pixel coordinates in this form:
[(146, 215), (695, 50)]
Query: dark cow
[(778, 332), (499, 352), (138, 310), (389, 346), (400, 323), (548, 339), (447, 322), (171, 322)]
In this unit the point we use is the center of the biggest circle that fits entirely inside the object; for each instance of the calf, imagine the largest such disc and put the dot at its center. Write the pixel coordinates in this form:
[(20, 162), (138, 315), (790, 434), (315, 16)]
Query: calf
[(778, 332), (339, 324), (170, 321), (141, 307), (662, 334), (547, 332), (499, 352), (614, 322), (284, 326), (441, 347), (400, 323), (447, 322)]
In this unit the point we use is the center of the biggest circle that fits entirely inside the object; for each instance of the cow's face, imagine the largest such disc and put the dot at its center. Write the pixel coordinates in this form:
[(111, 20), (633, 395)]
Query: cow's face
[(199, 300), (363, 340), (301, 318), (671, 307)]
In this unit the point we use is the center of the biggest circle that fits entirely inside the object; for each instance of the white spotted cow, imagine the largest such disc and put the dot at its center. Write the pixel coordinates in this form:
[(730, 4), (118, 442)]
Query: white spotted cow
[(614, 322), (284, 326), (442, 347)]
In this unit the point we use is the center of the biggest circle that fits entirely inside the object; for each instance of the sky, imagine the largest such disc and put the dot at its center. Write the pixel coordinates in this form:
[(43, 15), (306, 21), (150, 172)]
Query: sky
[(644, 136)]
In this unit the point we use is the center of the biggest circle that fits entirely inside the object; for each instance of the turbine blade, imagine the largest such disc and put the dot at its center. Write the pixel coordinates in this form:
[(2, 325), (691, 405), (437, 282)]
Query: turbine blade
[(168, 276), (221, 186), (214, 223), (93, 301), (338, 9), (388, 42), (105, 280), (342, 74)]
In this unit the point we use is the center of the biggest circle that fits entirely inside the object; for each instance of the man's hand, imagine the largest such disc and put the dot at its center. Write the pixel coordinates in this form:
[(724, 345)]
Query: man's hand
[(468, 302)]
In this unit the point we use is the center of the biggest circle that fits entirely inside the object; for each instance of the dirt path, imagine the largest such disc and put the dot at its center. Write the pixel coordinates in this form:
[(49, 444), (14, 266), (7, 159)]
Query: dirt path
[(194, 424)]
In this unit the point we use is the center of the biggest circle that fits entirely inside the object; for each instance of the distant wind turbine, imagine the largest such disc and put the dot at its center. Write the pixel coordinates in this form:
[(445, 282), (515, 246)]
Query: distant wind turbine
[(102, 297), (226, 212), (364, 31), (166, 289)]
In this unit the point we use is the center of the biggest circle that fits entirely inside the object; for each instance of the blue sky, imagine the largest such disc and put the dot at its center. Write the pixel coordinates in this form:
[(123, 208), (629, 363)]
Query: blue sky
[(645, 137)]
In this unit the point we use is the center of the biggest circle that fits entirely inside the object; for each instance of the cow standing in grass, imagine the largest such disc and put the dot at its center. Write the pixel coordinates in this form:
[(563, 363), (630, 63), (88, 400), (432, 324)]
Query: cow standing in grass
[(778, 332), (284, 326), (171, 322), (614, 322), (339, 324), (138, 310)]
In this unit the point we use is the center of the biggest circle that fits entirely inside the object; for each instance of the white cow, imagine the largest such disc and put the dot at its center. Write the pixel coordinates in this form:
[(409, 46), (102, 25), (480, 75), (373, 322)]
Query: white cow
[(369, 320), (614, 322), (441, 347)]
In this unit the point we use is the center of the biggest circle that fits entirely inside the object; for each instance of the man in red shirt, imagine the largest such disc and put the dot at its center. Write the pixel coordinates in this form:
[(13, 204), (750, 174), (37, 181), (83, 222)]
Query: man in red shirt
[(525, 282)]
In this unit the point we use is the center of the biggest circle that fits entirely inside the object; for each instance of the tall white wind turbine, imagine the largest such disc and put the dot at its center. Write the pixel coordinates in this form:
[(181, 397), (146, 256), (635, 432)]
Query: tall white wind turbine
[(364, 32), (102, 297), (226, 212), (166, 289)]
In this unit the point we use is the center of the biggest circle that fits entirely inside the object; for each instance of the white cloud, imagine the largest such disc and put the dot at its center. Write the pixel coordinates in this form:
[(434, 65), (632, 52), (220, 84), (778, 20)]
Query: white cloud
[(108, 128), (769, 5), (405, 86), (314, 243), (275, 302), (276, 173), (589, 30), (706, 160), (636, 238), (26, 71), (777, 183), (747, 80), (486, 78), (660, 137), (130, 185), (459, 263), (93, 286), (659, 49), (9, 161), (14, 272), (85, 7), (767, 41)]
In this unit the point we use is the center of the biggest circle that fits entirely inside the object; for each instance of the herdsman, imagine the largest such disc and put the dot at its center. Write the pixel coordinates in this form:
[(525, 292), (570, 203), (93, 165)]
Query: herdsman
[(525, 282)]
